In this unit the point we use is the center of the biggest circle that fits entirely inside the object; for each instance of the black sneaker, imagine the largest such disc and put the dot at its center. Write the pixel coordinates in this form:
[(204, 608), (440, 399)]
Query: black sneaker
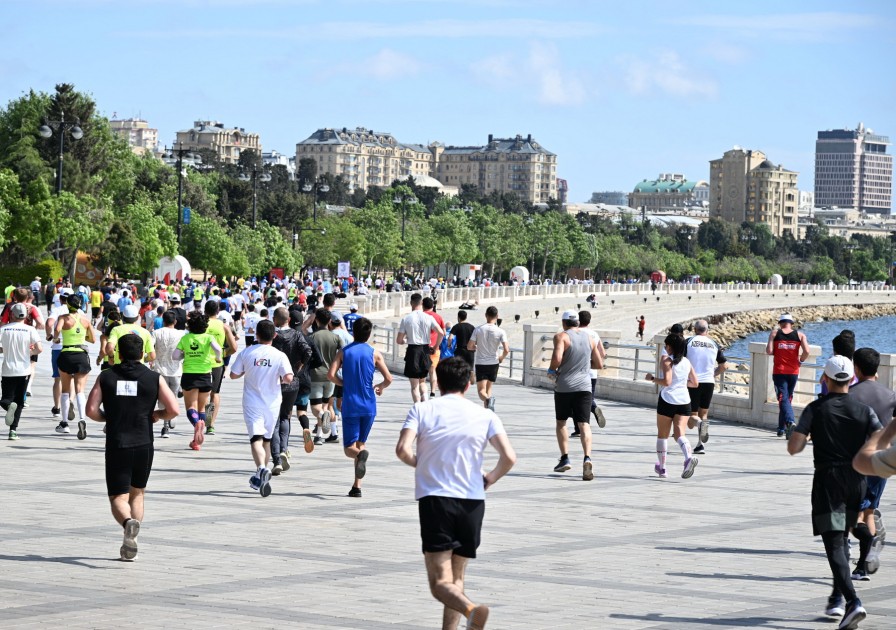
[(599, 417), (355, 492), (563, 465), (699, 449), (836, 606), (164, 433), (860, 575), (703, 430), (56, 411), (331, 439), (361, 464), (490, 404), (575, 434), (82, 430), (62, 427), (318, 440), (854, 614)]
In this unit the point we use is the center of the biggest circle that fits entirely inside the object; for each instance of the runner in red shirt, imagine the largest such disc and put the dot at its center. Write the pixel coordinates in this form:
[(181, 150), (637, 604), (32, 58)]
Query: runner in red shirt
[(429, 308), (789, 348)]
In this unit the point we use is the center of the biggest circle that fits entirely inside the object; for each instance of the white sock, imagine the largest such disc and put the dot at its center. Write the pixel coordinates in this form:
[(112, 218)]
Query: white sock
[(685, 447), (65, 400), (81, 401), (661, 452), (334, 427)]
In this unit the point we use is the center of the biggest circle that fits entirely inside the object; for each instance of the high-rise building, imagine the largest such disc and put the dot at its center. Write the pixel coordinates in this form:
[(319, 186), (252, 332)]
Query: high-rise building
[(745, 186), (227, 143), (853, 170), (610, 197), (139, 135), (668, 192)]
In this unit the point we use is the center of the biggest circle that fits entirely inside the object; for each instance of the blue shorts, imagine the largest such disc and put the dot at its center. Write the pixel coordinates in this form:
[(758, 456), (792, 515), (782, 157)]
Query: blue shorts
[(302, 402), (873, 493), (356, 429), (54, 360)]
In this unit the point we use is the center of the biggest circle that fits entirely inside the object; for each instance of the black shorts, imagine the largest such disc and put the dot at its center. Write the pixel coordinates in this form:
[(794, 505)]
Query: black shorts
[(487, 373), (837, 495), (250, 340), (75, 362), (575, 405), (202, 382), (95, 311), (466, 355), (701, 395), (127, 468), (337, 391), (217, 379), (449, 524), (34, 358), (417, 362), (669, 410)]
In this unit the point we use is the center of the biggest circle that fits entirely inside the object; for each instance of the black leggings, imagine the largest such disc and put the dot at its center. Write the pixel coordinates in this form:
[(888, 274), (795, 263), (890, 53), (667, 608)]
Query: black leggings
[(835, 548), (280, 439)]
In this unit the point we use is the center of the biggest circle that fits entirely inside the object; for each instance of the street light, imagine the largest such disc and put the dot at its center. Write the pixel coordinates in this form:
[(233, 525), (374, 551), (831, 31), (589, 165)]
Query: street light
[(401, 198), (254, 177), (46, 130), (317, 189), (180, 152)]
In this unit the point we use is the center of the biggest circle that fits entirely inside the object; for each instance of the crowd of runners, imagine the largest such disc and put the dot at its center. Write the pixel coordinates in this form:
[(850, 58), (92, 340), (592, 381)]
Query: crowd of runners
[(171, 344)]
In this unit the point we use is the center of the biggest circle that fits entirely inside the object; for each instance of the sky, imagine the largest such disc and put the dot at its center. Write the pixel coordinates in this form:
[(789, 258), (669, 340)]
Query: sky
[(620, 91)]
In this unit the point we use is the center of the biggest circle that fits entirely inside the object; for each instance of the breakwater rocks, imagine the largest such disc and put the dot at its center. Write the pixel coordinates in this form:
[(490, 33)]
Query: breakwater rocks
[(729, 327)]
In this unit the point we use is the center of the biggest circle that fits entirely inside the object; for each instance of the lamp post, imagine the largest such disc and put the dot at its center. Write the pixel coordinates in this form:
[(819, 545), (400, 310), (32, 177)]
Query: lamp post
[(60, 126), (403, 199), (254, 177), (180, 153), (315, 189)]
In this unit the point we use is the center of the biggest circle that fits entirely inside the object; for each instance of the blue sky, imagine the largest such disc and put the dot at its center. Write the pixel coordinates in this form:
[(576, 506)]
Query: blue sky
[(621, 91)]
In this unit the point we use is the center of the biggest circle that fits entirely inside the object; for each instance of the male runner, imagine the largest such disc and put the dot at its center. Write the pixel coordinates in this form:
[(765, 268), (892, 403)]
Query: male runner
[(485, 342), (291, 343), (789, 348), (358, 361), (165, 341), (463, 331), (584, 321), (327, 344), (130, 316), (128, 393), (266, 368), (414, 330), (709, 362), (451, 434), (252, 319), (18, 343), (226, 339), (351, 317)]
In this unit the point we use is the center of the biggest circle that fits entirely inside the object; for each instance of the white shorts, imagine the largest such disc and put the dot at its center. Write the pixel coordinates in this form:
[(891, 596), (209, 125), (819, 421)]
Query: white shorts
[(321, 390), (262, 420)]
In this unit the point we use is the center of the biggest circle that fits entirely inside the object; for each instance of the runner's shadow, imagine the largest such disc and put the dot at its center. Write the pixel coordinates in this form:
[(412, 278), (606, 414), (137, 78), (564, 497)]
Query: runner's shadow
[(736, 550), (72, 560), (753, 578), (728, 622)]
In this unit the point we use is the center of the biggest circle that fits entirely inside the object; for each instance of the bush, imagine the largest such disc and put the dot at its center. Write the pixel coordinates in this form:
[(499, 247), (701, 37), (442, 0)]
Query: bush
[(46, 269)]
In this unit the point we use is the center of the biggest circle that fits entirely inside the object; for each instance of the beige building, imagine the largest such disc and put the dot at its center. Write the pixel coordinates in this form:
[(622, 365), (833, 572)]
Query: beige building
[(668, 192), (367, 158), (212, 135), (137, 133), (745, 186)]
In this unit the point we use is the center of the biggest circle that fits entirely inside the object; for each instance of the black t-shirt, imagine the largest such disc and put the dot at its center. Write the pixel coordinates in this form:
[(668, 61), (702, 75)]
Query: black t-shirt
[(108, 306), (462, 332), (181, 322), (292, 343), (839, 425), (130, 392)]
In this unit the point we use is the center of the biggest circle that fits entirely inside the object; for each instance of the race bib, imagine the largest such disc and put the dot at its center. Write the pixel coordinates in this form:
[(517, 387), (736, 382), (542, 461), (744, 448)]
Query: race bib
[(127, 388)]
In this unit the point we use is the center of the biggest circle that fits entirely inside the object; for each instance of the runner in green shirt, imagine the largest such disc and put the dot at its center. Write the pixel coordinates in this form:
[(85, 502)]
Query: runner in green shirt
[(200, 351)]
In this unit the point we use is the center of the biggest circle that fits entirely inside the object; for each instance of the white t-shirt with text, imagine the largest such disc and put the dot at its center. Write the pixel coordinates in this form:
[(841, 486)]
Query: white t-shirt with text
[(489, 341)]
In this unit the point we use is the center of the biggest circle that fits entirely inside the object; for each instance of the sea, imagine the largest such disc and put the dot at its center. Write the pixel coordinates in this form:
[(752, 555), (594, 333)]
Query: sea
[(878, 333)]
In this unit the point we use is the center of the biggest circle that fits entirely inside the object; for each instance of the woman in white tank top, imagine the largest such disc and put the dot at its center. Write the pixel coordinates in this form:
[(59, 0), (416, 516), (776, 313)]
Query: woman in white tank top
[(673, 406)]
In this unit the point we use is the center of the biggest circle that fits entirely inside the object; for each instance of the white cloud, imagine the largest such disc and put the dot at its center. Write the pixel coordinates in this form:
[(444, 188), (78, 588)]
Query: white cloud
[(725, 52), (665, 73), (386, 65), (802, 26)]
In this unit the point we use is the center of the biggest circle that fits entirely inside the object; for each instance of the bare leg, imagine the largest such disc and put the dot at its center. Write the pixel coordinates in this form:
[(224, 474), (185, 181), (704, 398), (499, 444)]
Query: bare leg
[(482, 390), (125, 506), (57, 392), (352, 452), (562, 436), (440, 571), (451, 618), (585, 435), (261, 452)]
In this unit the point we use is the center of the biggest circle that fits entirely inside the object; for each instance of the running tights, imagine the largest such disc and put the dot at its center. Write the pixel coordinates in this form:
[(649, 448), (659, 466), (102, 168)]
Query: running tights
[(835, 548)]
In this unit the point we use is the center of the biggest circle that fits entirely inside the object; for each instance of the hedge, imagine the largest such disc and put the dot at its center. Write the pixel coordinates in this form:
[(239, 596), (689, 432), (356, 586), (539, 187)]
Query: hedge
[(46, 269)]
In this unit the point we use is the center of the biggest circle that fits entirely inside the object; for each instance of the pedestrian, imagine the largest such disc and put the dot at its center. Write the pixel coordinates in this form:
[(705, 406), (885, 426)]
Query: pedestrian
[(414, 330), (293, 344), (673, 405), (18, 343), (198, 349), (839, 425), (489, 346), (352, 370), (435, 342), (265, 368), (74, 331), (125, 398), (463, 331), (642, 324), (327, 344), (709, 363), (165, 340), (788, 348), (575, 354), (451, 434)]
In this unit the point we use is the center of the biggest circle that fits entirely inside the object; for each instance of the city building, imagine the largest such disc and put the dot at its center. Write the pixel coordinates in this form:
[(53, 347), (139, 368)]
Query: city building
[(137, 133), (610, 198), (853, 170), (562, 190), (669, 192), (226, 143), (275, 158), (745, 186)]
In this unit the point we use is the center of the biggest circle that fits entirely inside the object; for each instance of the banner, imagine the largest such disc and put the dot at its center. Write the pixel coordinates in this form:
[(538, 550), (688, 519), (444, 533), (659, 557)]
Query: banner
[(344, 270)]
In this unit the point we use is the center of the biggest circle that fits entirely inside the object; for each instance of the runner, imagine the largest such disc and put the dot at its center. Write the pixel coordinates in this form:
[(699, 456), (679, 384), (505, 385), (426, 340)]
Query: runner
[(198, 349), (336, 401), (673, 405), (435, 342), (351, 318), (252, 319), (128, 394), (463, 331), (709, 363), (74, 330), (58, 310), (485, 342), (165, 340), (291, 343), (451, 434), (839, 425), (414, 330), (266, 368), (789, 348), (18, 343), (584, 322), (179, 312), (130, 325), (327, 344), (357, 362), (574, 355), (227, 341), (642, 324)]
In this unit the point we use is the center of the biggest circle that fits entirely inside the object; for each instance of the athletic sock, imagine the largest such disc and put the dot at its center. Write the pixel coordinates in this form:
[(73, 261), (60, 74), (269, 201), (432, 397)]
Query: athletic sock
[(66, 401), (334, 427), (192, 416), (685, 446), (303, 420), (865, 537), (81, 401), (202, 416), (661, 452)]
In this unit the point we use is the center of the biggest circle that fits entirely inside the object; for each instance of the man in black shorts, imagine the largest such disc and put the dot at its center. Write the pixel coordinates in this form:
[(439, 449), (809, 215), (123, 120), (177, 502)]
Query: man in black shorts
[(489, 343), (709, 362), (462, 332), (414, 331), (128, 393), (839, 426), (451, 500)]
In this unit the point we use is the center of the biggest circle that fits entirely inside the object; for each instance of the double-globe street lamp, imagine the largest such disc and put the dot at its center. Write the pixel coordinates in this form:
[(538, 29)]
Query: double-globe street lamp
[(254, 177), (403, 199), (316, 189), (180, 153), (61, 126)]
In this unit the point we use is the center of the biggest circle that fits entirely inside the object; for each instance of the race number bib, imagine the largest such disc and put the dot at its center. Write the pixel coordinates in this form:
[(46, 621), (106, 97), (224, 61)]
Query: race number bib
[(127, 388)]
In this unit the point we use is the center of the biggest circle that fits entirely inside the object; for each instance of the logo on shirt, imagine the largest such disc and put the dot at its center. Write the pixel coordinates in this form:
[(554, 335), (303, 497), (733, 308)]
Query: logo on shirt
[(194, 346), (263, 363), (126, 388)]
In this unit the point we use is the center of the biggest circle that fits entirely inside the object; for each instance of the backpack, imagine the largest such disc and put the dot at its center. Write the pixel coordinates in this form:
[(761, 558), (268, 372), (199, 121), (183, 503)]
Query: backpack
[(446, 349)]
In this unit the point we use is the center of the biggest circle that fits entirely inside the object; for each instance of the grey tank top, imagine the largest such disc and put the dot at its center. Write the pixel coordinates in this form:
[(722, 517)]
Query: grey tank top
[(574, 374)]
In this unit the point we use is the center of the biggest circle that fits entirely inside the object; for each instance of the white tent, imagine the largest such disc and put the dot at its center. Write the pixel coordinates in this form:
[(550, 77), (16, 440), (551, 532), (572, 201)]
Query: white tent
[(520, 274), (171, 269)]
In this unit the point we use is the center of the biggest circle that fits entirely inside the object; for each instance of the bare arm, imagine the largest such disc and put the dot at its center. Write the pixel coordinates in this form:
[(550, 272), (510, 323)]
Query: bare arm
[(880, 440), (380, 364), (666, 379), (401, 339), (804, 344), (231, 338), (94, 400), (506, 352), (692, 379), (770, 346), (404, 449), (797, 443), (597, 360), (219, 353), (88, 329), (177, 354), (170, 408), (559, 349), (506, 459), (334, 368)]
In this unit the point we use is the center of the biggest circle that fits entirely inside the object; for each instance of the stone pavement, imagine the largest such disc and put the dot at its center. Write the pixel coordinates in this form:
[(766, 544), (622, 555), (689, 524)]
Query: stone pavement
[(729, 548)]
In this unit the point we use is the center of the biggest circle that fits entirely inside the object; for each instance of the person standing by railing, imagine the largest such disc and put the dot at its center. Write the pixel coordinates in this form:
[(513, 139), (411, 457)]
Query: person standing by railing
[(789, 348)]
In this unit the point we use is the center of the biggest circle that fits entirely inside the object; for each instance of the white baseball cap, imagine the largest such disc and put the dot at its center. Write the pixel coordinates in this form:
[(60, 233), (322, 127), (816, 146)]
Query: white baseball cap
[(131, 311), (570, 316), (839, 368), (786, 317)]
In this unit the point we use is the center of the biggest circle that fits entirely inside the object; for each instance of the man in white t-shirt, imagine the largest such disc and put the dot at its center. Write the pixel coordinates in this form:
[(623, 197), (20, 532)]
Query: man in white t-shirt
[(414, 330), (451, 434), (18, 342), (265, 368), (487, 342), (252, 319), (709, 362), (166, 339)]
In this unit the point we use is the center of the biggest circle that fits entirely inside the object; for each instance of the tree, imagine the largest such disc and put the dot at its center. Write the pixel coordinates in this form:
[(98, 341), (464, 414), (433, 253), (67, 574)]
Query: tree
[(209, 247), (265, 248), (382, 238), (342, 240), (455, 242)]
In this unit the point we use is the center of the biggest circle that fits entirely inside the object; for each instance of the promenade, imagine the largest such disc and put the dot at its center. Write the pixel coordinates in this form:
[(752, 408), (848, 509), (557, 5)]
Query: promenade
[(729, 548)]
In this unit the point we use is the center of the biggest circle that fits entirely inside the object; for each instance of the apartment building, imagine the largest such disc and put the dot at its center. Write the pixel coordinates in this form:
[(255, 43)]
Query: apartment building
[(137, 133), (853, 170), (227, 142), (668, 192)]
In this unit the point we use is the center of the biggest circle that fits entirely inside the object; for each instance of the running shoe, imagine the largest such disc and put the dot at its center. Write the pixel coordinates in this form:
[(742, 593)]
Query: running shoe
[(563, 465), (198, 431), (599, 417), (128, 549), (355, 492), (854, 615), (309, 442), (432, 394), (171, 423), (872, 562), (254, 482), (210, 430), (860, 575), (71, 413), (331, 439), (325, 421), (56, 412), (788, 429), (361, 464), (575, 434), (277, 469), (660, 471), (318, 440), (699, 449), (11, 413), (82, 430), (836, 606), (703, 431), (194, 446), (478, 617), (879, 526), (264, 482), (164, 433), (284, 460), (780, 433), (491, 404), (209, 409), (587, 471), (62, 427), (689, 465), (13, 435)]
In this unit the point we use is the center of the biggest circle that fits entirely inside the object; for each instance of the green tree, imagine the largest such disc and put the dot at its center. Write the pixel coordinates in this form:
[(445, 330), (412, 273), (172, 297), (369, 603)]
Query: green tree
[(382, 238)]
